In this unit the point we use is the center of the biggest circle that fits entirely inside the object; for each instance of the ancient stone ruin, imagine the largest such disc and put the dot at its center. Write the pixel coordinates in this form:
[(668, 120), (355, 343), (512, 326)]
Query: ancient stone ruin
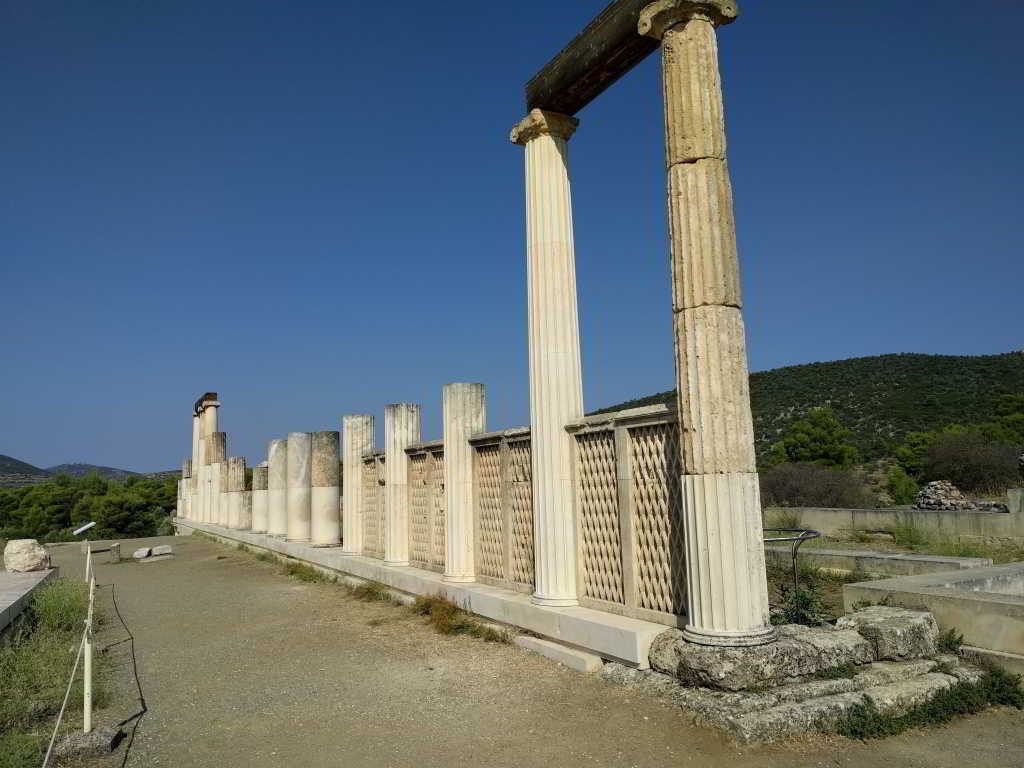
[(635, 536)]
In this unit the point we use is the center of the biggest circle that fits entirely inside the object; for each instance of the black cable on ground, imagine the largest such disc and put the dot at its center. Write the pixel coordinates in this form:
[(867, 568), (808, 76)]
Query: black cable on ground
[(143, 708)]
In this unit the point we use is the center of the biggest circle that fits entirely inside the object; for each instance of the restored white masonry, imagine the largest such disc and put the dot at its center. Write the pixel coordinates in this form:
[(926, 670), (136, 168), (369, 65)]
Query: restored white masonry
[(299, 487), (325, 524)]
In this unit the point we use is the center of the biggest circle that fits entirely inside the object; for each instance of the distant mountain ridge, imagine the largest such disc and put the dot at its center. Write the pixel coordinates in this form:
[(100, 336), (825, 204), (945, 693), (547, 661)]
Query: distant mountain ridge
[(81, 470), (15, 473), (879, 398)]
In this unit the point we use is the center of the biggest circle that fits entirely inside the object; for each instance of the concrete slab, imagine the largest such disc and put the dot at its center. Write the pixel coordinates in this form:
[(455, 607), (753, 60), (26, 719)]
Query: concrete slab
[(16, 591), (873, 563), (573, 658)]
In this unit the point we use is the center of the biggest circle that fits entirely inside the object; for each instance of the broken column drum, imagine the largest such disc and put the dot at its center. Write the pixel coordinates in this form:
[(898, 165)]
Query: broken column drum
[(299, 488), (325, 477), (236, 485), (215, 449), (277, 488), (260, 476), (358, 436)]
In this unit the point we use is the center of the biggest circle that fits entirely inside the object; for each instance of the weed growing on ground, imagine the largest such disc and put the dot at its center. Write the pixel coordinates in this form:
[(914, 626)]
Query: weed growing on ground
[(907, 534), (304, 572), (372, 592), (996, 687), (784, 518), (448, 619), (950, 641), (838, 672)]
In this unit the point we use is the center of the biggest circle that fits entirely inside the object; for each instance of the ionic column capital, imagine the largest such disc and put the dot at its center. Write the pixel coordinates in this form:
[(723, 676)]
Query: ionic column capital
[(542, 123), (660, 16)]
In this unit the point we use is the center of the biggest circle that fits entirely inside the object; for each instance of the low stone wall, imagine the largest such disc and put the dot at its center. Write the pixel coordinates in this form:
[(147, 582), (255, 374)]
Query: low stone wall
[(16, 590), (993, 526), (986, 605), (878, 564)]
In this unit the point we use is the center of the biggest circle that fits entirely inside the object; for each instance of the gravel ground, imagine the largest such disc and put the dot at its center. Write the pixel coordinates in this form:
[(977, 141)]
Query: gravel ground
[(242, 666)]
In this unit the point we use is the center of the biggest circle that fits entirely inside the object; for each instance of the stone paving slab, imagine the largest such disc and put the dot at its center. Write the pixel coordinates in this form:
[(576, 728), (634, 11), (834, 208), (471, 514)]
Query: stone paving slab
[(16, 590)]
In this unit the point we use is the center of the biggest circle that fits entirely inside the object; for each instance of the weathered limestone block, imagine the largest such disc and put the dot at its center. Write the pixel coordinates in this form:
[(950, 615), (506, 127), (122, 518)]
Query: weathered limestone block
[(704, 234), (142, 553), (895, 633), (325, 479), (162, 549), (25, 555), (797, 653)]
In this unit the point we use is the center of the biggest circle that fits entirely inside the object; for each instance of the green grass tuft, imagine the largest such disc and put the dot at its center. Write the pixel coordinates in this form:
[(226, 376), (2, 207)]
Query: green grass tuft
[(838, 672), (372, 592), (304, 572), (950, 641), (996, 687), (448, 619)]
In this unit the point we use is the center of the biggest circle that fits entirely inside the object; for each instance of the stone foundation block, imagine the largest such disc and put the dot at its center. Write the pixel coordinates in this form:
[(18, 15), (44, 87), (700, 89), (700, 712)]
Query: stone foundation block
[(799, 652), (895, 633), (573, 658)]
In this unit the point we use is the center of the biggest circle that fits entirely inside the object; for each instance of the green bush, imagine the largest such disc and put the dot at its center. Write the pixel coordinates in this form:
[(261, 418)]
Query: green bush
[(809, 485), (996, 687), (973, 462), (60, 605), (818, 438), (901, 487)]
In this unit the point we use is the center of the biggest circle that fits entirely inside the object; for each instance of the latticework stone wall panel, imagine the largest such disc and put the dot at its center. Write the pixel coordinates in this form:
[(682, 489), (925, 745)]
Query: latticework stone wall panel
[(420, 511), (657, 509), (490, 534), (373, 508), (521, 488), (438, 505), (600, 543)]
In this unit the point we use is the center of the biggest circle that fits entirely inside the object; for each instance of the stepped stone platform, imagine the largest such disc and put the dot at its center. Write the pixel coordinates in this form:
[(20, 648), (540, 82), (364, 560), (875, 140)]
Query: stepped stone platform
[(806, 706), (808, 679)]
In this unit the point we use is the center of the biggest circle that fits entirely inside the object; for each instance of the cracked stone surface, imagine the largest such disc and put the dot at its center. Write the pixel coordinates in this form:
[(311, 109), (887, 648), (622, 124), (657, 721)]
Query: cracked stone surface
[(895, 633)]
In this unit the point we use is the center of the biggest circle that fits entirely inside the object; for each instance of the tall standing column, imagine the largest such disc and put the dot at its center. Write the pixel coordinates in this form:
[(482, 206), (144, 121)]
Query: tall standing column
[(277, 485), (325, 478), (236, 485), (193, 484), (215, 449), (726, 586), (465, 414), (401, 429), (299, 489), (358, 435), (208, 426), (260, 478), (556, 384)]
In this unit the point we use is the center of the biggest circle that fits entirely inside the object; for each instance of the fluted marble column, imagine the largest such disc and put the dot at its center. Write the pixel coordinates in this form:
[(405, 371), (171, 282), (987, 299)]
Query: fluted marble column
[(277, 485), (464, 414), (208, 426), (726, 585), (236, 486), (358, 436), (325, 478), (401, 429), (299, 488), (260, 477), (215, 451), (556, 383)]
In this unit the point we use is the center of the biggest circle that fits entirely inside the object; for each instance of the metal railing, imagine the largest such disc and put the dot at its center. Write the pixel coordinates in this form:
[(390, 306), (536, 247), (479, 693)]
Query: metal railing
[(797, 536), (85, 649)]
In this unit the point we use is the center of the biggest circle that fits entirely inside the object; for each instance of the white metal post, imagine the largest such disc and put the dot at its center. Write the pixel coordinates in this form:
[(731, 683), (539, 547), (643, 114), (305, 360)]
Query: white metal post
[(87, 646)]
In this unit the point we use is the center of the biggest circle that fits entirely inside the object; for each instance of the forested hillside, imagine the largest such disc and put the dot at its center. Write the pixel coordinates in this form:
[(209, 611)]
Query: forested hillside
[(879, 399)]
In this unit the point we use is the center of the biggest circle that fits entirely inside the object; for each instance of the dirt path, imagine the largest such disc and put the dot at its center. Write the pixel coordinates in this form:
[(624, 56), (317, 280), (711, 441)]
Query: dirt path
[(242, 666)]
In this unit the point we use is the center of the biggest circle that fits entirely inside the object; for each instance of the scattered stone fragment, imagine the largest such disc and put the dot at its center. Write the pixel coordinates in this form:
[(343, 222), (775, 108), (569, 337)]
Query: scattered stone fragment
[(141, 553), (895, 633), (943, 495), (25, 555), (163, 549)]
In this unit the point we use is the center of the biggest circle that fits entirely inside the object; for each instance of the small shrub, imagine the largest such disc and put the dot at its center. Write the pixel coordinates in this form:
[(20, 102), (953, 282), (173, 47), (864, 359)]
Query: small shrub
[(304, 572), (972, 462), (809, 485), (950, 640), (783, 518), (165, 527), (907, 534), (901, 487), (372, 592), (996, 687), (803, 604)]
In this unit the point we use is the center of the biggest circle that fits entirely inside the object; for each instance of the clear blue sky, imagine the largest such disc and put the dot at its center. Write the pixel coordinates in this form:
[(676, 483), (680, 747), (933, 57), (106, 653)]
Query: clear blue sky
[(313, 208)]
